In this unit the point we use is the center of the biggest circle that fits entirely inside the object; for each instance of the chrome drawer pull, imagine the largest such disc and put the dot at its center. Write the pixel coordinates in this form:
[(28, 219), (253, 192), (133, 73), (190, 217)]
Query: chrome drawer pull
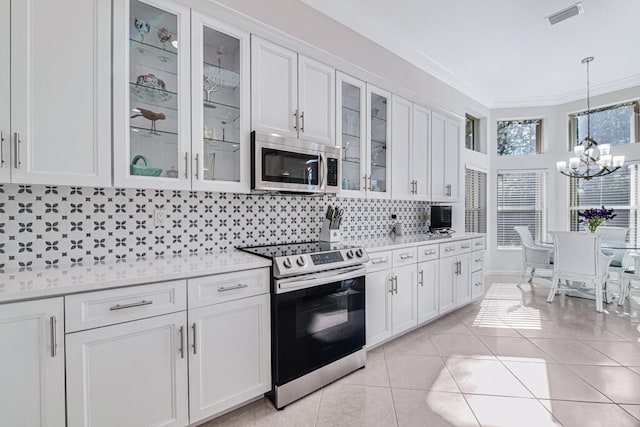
[(406, 256), (421, 278), (478, 284), (478, 243), (195, 349), (465, 247), (54, 344), (181, 342), (133, 304), (449, 249), (378, 261), (429, 252), (230, 288), (479, 260)]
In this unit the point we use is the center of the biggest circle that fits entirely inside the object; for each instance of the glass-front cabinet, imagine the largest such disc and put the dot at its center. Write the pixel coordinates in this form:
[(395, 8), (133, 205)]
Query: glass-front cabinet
[(181, 99), (220, 107), (363, 135)]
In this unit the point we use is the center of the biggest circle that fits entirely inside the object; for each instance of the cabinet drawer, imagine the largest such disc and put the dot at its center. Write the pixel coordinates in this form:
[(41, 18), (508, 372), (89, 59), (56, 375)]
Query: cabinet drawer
[(379, 261), (477, 284), (448, 249), (405, 256), (227, 287), (477, 260), (427, 253), (102, 308), (464, 246), (479, 243)]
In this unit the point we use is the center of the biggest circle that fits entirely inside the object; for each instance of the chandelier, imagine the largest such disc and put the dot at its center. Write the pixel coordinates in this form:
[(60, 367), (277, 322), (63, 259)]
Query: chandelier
[(590, 159)]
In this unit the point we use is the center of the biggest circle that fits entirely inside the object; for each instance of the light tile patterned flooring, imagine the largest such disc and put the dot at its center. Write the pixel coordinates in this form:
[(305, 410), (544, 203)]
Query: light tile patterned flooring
[(510, 359)]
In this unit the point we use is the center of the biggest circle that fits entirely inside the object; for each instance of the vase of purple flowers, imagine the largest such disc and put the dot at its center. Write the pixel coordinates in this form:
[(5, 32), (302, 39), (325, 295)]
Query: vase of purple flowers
[(595, 217)]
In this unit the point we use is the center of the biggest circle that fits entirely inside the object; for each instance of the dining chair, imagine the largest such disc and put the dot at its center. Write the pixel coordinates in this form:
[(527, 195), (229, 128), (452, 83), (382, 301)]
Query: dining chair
[(579, 258), (533, 255), (614, 236), (630, 274)]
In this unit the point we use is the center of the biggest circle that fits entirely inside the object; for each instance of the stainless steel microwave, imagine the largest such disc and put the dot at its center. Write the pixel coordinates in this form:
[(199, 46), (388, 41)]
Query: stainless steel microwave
[(293, 165)]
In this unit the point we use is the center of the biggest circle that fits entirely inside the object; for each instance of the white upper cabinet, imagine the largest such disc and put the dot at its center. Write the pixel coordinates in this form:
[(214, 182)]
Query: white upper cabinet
[(181, 91), (378, 171), (220, 113), (351, 95), (274, 86), (57, 127), (421, 167), (292, 95), (401, 134), (445, 147), (152, 82), (32, 364)]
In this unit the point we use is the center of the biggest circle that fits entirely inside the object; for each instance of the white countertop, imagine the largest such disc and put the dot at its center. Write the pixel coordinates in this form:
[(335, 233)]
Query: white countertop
[(30, 284), (398, 242)]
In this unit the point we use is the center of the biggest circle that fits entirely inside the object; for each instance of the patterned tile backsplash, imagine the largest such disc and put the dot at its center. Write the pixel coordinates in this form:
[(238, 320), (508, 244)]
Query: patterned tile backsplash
[(59, 225)]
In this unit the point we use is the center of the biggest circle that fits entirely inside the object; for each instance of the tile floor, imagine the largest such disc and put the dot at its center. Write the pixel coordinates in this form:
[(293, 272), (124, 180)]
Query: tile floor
[(510, 359)]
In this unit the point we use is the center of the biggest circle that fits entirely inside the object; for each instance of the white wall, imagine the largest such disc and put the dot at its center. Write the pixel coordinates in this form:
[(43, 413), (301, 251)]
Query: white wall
[(555, 142)]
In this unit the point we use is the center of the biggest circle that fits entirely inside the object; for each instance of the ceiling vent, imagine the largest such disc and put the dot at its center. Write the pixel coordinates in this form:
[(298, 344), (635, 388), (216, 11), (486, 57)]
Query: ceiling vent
[(565, 14)]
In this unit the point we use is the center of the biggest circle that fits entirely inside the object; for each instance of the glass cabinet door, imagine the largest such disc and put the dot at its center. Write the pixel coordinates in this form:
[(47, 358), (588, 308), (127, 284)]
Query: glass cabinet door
[(220, 107), (350, 119), (379, 137)]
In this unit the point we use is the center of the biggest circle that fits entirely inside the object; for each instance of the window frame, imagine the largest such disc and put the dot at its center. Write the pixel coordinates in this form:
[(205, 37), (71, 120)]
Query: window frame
[(573, 122), (475, 132), (539, 130), (482, 208)]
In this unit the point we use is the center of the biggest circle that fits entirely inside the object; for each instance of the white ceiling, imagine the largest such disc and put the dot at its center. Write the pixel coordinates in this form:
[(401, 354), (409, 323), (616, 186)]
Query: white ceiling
[(504, 53)]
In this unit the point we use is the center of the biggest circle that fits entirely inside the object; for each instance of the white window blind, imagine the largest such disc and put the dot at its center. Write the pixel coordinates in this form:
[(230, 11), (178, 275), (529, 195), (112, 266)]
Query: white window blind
[(475, 201), (618, 191), (522, 199)]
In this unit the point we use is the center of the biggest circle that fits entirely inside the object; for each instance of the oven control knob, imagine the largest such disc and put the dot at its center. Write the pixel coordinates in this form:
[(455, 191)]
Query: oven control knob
[(287, 263), (359, 253), (301, 261), (349, 254)]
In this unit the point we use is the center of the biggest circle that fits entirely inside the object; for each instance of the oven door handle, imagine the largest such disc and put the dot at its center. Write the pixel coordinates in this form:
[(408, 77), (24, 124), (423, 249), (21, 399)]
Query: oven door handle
[(324, 278)]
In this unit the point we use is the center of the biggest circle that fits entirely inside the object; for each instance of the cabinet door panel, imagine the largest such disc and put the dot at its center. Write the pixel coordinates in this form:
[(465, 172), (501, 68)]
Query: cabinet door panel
[(5, 91), (231, 360), (404, 307), (32, 388), (438, 129), (452, 148), (316, 101), (446, 284), (427, 290), (477, 284), (378, 307), (130, 374), (274, 88), (60, 92), (401, 133), (463, 281), (220, 109), (420, 152), (379, 143), (351, 135)]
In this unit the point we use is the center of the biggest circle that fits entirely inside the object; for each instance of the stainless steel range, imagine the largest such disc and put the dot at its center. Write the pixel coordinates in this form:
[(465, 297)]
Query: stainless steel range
[(317, 315)]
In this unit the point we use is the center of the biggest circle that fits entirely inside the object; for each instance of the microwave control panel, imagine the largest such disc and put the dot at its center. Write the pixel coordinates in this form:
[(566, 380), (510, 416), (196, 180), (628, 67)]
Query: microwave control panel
[(332, 172)]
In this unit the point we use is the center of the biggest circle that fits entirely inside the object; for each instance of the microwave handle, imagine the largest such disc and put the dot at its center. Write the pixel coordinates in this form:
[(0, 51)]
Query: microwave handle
[(322, 170)]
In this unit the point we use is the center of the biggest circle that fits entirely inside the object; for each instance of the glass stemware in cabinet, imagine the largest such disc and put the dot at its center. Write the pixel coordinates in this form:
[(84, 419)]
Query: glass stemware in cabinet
[(153, 92), (221, 106)]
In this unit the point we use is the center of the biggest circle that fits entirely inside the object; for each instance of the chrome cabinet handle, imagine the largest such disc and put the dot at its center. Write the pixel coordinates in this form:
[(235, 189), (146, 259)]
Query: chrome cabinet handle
[(448, 189), (478, 259), (449, 249), (378, 261), (195, 350), (406, 256), (186, 165), (478, 284), (181, 330), (395, 284), (133, 304), (429, 252), (230, 288), (465, 247), (1, 149), (197, 166), (416, 187), (421, 278), (478, 243), (391, 287), (302, 119), (16, 138), (295, 126), (365, 182), (54, 344)]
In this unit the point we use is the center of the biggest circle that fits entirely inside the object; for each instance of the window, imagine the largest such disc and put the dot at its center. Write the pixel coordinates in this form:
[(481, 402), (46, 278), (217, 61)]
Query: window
[(471, 133), (518, 137), (619, 191), (615, 125), (475, 201), (522, 199)]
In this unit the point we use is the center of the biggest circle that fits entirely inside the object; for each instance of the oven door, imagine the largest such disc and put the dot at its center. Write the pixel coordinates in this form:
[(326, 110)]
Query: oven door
[(288, 168), (317, 325)]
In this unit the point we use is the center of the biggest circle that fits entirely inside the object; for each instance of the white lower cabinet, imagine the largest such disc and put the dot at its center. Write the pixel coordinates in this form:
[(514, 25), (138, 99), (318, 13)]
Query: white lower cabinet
[(477, 284), (403, 302), (129, 374), (427, 290), (454, 287), (32, 364), (229, 354), (463, 280), (378, 306)]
